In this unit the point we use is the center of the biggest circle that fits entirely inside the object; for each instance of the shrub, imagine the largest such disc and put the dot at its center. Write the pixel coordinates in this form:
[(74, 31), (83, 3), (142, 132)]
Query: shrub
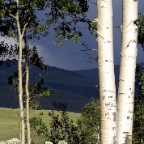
[(39, 131), (62, 128), (89, 123)]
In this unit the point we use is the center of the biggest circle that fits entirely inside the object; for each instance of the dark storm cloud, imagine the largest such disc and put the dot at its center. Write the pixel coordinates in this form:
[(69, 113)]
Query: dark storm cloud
[(117, 9), (70, 56)]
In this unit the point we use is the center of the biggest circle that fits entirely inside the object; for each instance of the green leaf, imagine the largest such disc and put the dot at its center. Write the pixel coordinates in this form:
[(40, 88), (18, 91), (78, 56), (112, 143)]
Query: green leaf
[(47, 93)]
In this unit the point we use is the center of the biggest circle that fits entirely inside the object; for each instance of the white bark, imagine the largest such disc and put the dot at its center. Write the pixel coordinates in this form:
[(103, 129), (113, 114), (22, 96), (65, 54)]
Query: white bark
[(127, 72), (106, 71), (20, 87), (20, 95), (27, 89), (27, 104)]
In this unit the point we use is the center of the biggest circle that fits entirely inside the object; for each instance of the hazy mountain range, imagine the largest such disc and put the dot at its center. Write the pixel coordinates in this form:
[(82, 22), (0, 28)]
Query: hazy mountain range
[(73, 87)]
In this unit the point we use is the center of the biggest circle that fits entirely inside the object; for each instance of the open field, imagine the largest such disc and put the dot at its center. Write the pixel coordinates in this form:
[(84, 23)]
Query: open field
[(9, 121)]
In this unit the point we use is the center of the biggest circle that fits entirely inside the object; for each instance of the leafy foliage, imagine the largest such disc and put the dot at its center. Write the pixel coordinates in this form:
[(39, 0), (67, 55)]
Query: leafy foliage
[(86, 131), (138, 124), (89, 123), (3, 52), (140, 23), (39, 130), (139, 82), (37, 89), (32, 57), (64, 14), (62, 128)]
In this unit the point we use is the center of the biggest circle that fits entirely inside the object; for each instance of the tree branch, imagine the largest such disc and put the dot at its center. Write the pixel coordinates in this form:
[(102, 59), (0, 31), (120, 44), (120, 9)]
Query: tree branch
[(26, 26)]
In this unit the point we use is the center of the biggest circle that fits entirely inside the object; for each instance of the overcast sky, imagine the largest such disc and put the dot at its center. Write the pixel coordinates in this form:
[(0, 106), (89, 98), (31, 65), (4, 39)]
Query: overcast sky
[(70, 57)]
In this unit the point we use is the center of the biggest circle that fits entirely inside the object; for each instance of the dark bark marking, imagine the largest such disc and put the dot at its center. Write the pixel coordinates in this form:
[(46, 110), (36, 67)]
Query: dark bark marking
[(114, 116), (128, 117), (128, 139)]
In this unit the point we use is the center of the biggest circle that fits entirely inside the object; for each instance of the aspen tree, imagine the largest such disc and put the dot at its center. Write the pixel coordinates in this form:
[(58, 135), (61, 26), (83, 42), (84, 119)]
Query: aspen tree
[(20, 90), (27, 77), (20, 86), (107, 87), (127, 71)]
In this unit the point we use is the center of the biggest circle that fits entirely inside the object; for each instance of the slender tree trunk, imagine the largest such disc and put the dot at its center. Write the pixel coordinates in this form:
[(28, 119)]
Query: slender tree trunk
[(127, 72), (20, 91), (27, 104), (106, 71), (20, 86), (27, 91)]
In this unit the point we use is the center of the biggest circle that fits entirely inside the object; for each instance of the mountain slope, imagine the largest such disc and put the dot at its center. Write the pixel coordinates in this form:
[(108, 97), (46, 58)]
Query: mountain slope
[(68, 86), (73, 87), (93, 73)]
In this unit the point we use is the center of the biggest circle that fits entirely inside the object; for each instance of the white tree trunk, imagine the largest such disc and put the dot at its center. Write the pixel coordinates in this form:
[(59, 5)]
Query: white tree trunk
[(20, 86), (27, 104), (27, 89), (20, 95), (127, 72), (106, 71)]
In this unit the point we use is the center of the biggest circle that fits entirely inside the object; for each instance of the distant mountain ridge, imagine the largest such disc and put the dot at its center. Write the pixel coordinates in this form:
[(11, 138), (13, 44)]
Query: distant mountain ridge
[(73, 87), (93, 73), (68, 86), (90, 73)]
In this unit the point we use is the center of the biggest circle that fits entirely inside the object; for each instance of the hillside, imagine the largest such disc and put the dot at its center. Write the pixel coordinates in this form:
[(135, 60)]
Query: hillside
[(92, 74), (68, 86), (73, 87)]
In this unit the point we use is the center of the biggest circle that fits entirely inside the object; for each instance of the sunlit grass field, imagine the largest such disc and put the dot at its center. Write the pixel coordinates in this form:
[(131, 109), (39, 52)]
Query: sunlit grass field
[(9, 121)]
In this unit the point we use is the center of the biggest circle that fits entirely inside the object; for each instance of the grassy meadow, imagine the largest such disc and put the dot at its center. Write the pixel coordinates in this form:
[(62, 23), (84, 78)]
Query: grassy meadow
[(9, 121)]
